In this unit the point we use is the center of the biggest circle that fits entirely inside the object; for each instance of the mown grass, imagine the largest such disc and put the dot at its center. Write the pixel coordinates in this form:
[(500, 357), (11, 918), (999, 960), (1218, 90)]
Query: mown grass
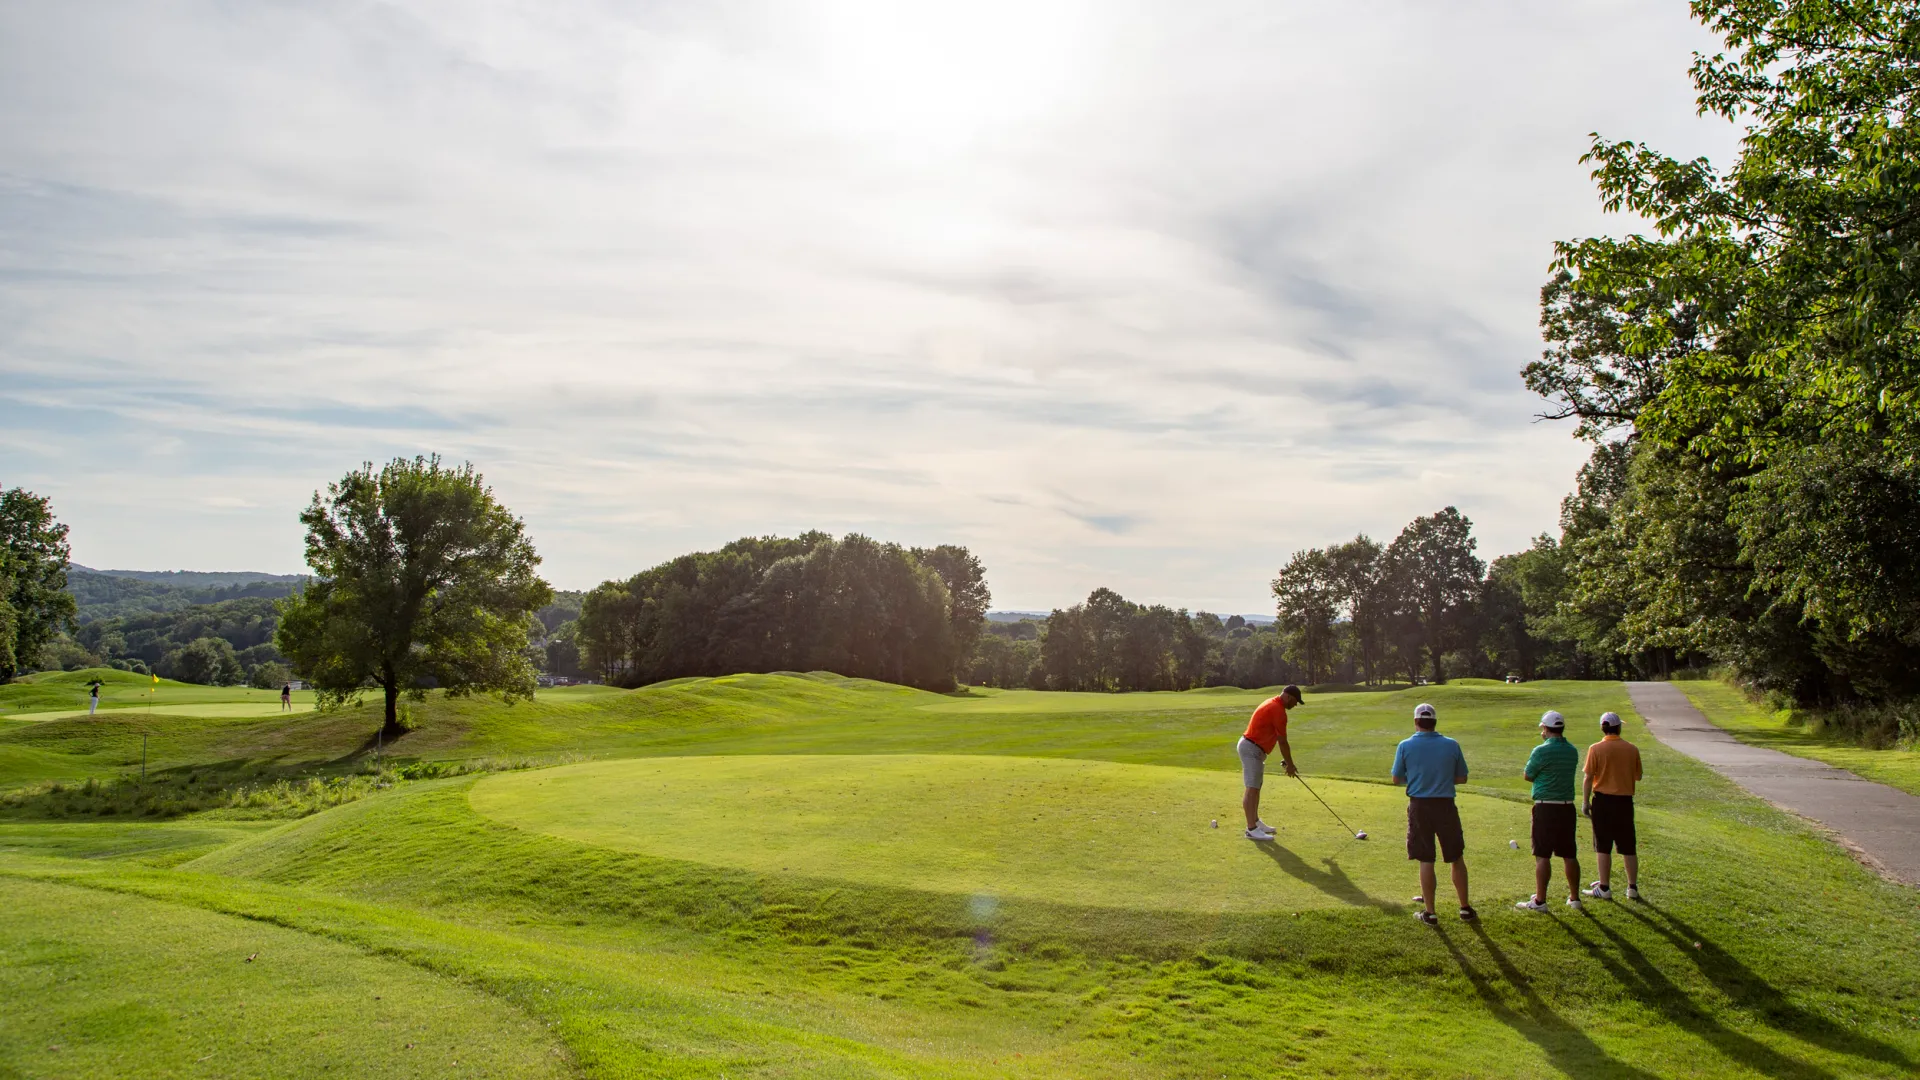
[(99, 984), (1764, 950), (1753, 722), (64, 692)]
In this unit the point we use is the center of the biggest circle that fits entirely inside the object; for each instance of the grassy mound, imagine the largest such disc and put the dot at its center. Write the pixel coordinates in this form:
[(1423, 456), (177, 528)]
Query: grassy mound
[(1076, 832)]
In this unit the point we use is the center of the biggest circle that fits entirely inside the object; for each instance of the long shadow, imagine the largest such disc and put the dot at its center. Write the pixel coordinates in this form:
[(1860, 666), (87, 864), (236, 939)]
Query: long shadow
[(1651, 986), (1569, 1048), (1742, 985), (1333, 881)]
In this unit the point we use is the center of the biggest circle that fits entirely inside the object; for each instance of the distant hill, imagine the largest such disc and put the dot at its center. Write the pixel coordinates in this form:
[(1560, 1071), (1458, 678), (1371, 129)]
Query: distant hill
[(1020, 616), (193, 579), (105, 594)]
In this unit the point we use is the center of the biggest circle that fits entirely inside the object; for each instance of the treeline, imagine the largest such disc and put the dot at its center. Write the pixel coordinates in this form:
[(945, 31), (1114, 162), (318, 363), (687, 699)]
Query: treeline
[(1421, 607), (100, 595), (1748, 377), (854, 606), (1110, 643), (224, 644)]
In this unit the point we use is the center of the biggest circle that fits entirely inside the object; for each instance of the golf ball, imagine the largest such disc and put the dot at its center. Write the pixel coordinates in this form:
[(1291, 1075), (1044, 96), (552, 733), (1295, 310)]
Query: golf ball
[(1216, 823), (1514, 844)]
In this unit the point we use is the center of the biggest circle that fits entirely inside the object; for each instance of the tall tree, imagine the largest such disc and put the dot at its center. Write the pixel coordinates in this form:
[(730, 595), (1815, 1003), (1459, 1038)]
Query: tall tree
[(1365, 591), (420, 575), (967, 594), (34, 603), (1439, 577), (1759, 350), (1307, 593)]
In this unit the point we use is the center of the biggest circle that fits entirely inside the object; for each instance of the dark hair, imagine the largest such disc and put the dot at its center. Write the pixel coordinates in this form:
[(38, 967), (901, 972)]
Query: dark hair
[(1294, 690), (1426, 723), (1610, 726)]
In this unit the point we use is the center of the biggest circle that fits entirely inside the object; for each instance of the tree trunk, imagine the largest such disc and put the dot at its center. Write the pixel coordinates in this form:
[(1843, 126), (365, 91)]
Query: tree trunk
[(391, 728)]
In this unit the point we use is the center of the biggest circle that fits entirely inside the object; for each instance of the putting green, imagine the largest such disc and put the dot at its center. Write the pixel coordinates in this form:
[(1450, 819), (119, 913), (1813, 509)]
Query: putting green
[(1081, 832), (213, 709)]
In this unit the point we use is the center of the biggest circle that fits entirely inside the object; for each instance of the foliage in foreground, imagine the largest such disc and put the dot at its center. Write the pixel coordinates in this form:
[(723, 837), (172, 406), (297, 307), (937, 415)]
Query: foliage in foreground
[(1750, 374)]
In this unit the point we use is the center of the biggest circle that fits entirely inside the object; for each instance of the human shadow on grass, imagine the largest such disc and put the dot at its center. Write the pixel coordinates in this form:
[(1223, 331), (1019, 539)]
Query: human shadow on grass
[(1651, 986), (1569, 1048), (1748, 990), (1333, 881)]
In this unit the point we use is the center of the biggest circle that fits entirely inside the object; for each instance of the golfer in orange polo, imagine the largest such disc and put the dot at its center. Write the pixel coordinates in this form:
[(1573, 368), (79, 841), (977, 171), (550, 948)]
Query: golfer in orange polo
[(1613, 768), (1265, 731)]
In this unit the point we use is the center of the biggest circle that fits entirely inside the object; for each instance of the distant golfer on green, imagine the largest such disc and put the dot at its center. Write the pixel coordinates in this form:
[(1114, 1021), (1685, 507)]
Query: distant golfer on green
[(286, 698), (1551, 767), (1266, 730), (1429, 764), (93, 697), (1606, 795)]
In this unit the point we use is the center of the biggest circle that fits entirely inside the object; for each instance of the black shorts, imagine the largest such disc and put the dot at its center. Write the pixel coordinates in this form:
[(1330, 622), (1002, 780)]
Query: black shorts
[(1553, 830), (1428, 819), (1613, 824)]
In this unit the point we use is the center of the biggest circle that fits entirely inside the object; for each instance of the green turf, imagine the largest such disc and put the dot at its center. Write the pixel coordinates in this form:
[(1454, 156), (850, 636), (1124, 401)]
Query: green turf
[(103, 985), (65, 693), (1752, 722), (1077, 832), (651, 933), (263, 707)]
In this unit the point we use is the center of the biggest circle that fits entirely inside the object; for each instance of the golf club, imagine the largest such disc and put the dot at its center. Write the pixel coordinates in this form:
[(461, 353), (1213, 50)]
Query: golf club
[(1358, 834)]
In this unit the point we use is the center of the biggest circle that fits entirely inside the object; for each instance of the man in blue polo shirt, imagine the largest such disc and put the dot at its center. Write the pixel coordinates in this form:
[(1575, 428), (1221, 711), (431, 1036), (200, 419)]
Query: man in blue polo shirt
[(1429, 764)]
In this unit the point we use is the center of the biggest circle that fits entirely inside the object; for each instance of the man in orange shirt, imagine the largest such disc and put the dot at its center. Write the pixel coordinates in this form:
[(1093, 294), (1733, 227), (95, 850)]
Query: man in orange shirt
[(1613, 767), (1266, 730)]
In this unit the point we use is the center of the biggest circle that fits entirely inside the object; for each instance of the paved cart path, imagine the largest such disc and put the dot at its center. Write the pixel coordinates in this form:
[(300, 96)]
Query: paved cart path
[(1881, 822)]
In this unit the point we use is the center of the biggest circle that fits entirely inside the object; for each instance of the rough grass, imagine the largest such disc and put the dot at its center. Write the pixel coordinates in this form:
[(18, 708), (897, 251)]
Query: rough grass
[(1780, 729), (1764, 951)]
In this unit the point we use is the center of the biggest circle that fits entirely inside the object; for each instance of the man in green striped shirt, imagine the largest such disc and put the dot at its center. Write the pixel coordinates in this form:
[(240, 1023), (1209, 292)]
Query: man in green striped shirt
[(1551, 767)]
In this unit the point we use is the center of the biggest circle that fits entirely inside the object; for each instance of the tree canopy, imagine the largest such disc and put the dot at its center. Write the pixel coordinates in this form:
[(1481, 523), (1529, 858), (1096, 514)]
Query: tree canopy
[(1749, 371), (422, 579), (34, 604), (854, 606)]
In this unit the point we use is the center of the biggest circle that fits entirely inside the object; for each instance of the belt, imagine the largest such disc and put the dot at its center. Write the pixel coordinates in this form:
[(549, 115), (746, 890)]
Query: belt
[(1553, 802)]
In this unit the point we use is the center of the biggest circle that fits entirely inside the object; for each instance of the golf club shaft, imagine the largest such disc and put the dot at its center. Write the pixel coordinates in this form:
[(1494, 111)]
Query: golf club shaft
[(1323, 802)]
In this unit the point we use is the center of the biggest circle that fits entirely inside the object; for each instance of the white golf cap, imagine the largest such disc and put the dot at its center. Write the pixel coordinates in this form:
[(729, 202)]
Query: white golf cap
[(1423, 711), (1609, 719), (1553, 721)]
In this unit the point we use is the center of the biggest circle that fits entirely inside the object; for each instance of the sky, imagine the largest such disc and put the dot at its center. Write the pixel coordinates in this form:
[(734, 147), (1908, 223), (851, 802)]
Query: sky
[(1137, 295)]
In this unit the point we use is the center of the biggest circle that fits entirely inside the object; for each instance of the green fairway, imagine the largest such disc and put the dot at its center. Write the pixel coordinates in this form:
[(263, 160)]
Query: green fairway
[(263, 707), (785, 876), (1077, 832), (104, 985), (58, 694)]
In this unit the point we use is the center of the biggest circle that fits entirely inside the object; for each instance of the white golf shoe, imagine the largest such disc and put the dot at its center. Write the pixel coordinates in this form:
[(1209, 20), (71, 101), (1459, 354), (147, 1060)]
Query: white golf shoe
[(1260, 832), (1599, 891), (1530, 904)]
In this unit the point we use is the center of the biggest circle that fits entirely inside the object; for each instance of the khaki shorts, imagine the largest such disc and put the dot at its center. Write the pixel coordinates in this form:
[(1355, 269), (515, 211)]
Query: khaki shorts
[(1253, 763)]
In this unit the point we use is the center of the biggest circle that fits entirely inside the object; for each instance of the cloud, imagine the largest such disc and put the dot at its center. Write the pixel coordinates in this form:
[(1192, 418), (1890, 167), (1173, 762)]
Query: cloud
[(1115, 293)]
